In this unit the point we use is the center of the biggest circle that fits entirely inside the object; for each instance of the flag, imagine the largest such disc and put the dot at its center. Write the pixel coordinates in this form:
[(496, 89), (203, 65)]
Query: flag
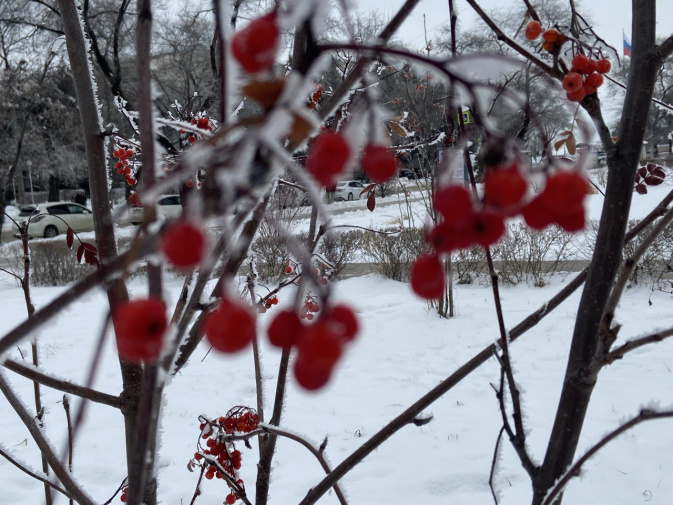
[(627, 46)]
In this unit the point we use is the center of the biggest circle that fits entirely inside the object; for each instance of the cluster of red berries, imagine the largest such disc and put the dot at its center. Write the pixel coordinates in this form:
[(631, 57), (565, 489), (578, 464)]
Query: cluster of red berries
[(220, 455), (289, 268), (122, 165), (140, 325), (309, 308), (585, 77), (266, 304), (319, 345), (184, 244), (134, 199), (315, 97), (202, 122), (330, 153), (230, 327), (254, 47), (552, 39), (463, 223)]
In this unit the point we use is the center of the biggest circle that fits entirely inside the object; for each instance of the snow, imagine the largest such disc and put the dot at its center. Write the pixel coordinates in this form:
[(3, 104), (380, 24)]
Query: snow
[(404, 349)]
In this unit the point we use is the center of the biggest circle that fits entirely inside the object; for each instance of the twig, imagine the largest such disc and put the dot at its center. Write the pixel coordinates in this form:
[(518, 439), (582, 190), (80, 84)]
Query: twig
[(66, 407), (37, 375), (644, 415), (34, 475), (29, 421), (631, 345), (494, 461)]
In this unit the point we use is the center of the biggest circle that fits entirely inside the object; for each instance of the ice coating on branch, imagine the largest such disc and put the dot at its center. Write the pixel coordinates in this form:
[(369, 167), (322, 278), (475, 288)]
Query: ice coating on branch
[(483, 67)]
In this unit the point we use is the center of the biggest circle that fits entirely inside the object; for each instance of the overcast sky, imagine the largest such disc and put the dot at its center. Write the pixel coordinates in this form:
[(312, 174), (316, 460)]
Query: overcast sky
[(610, 16)]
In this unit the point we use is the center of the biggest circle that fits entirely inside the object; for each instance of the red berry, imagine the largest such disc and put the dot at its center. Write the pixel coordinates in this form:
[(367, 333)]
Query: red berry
[(254, 47), (533, 30), (140, 325), (134, 199), (183, 244), (230, 499), (286, 329), (317, 353), (427, 277), (552, 36), (537, 215), (230, 327), (581, 64), (327, 157), (504, 188), (288, 269), (572, 82), (571, 221), (123, 497), (189, 183), (202, 123), (342, 321), (603, 66), (454, 203), (191, 139), (378, 163), (487, 228), (576, 96), (592, 82), (564, 190)]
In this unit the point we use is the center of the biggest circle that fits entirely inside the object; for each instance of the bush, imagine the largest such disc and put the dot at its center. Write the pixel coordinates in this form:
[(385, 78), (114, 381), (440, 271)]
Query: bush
[(394, 253), (52, 263), (656, 264)]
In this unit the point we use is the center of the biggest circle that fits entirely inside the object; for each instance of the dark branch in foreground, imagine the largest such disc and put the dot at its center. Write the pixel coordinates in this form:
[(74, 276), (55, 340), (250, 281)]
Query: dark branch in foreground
[(32, 474)]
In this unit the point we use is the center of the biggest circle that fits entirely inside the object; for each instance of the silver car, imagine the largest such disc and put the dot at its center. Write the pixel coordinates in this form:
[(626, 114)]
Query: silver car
[(168, 208), (49, 219)]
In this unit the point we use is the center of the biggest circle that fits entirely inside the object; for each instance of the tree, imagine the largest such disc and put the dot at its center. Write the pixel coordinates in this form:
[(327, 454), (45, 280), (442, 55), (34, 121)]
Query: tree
[(237, 162)]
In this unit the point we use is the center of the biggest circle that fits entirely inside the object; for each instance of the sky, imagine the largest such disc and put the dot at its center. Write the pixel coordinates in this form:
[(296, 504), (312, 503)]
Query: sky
[(610, 16)]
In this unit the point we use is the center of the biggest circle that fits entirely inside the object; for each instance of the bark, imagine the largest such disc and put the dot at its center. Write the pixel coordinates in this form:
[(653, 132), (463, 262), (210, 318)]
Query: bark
[(585, 353), (82, 74)]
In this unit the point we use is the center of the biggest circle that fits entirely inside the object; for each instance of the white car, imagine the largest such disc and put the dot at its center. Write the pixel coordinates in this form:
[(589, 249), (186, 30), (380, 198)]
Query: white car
[(349, 190), (49, 219), (168, 208)]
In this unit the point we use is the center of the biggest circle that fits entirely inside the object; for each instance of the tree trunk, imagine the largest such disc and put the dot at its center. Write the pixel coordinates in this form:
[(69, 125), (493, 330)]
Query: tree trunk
[(623, 157), (54, 183)]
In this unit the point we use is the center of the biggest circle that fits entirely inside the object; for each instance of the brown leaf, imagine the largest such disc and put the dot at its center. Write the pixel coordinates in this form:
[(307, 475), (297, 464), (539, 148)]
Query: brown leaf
[(69, 237), (300, 129), (397, 128), (371, 201), (641, 189), (90, 247), (653, 180), (658, 172), (368, 189), (558, 144), (264, 93), (571, 144), (80, 252), (642, 171)]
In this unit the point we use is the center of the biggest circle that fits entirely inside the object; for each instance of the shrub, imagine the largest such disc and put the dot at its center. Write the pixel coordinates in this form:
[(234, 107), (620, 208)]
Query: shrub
[(394, 253)]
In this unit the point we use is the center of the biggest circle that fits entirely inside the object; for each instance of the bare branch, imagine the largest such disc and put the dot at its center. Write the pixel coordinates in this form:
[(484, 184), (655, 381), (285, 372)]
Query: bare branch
[(34, 475), (631, 345)]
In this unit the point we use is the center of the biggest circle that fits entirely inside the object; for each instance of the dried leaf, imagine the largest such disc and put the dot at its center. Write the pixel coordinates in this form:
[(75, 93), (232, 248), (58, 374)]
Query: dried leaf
[(658, 172), (653, 180), (264, 93), (571, 144), (190, 466), (371, 201), (566, 132), (69, 237), (558, 144), (90, 247), (300, 129), (80, 252), (397, 128), (368, 189), (642, 171), (641, 189)]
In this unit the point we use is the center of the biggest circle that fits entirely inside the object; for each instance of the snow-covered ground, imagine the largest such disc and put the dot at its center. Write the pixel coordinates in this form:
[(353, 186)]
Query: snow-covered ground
[(403, 350)]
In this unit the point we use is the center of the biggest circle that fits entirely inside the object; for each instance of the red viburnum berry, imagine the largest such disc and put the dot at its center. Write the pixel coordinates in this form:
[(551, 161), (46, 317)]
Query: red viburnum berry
[(183, 244), (553, 36), (581, 64), (134, 199), (572, 82), (343, 322), (139, 326), (576, 96), (533, 30), (603, 66), (254, 47), (378, 163), (454, 203), (317, 353), (286, 329), (427, 277), (504, 188), (487, 228), (327, 157), (564, 190), (230, 499), (230, 327), (189, 183), (537, 215), (592, 82)]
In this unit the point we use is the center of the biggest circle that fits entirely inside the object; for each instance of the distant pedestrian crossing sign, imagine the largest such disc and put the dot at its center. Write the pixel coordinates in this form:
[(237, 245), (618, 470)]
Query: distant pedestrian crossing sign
[(466, 116)]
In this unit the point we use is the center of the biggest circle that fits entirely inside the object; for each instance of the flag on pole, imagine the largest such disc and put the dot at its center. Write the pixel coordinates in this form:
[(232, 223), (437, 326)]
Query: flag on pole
[(627, 45)]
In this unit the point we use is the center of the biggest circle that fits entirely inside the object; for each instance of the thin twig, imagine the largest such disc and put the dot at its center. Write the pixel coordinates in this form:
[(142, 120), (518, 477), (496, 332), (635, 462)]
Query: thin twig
[(34, 475), (634, 344)]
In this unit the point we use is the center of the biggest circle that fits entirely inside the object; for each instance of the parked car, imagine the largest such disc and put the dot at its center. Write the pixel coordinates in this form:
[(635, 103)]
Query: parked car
[(348, 190), (168, 207), (49, 219)]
